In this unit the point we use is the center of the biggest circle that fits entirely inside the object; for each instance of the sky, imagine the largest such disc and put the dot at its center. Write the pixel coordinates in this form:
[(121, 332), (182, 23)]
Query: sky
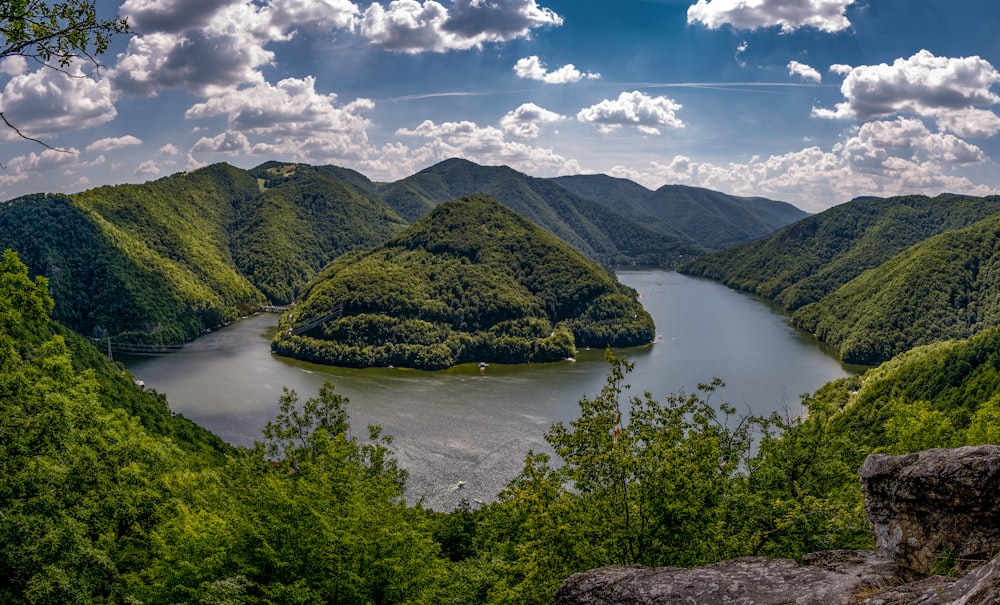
[(813, 102)]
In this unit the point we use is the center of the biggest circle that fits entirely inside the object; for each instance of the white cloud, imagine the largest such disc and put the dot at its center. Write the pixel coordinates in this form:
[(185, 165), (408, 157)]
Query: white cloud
[(892, 157), (169, 149), (201, 63), (18, 169), (485, 145), (210, 46), (525, 121), (411, 26), (871, 148), (646, 113), (14, 65), (292, 119), (922, 84), (148, 169), (109, 143), (804, 71), (790, 15), (47, 102), (970, 122), (532, 68), (841, 69)]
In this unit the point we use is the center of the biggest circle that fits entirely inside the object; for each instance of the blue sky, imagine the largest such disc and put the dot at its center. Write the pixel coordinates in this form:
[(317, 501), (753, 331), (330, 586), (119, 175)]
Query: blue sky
[(809, 101)]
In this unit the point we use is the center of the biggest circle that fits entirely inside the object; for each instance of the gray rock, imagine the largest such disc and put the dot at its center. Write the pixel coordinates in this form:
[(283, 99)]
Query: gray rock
[(829, 578), (940, 503)]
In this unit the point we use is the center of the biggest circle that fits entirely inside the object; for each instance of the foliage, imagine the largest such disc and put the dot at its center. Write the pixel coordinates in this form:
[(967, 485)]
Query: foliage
[(709, 218), (98, 507), (602, 234), (943, 288), (162, 261), (59, 31), (472, 281), (875, 277)]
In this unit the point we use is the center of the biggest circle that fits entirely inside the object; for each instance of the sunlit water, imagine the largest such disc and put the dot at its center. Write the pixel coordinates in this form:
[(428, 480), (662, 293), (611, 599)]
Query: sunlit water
[(475, 426)]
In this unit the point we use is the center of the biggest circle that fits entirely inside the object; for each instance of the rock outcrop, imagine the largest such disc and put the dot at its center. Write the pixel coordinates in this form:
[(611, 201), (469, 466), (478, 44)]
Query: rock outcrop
[(940, 503), (923, 506), (831, 578)]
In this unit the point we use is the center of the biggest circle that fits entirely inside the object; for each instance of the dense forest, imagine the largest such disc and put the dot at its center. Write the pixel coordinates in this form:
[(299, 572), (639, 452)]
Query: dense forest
[(711, 219), (107, 498), (471, 281), (875, 277), (160, 262)]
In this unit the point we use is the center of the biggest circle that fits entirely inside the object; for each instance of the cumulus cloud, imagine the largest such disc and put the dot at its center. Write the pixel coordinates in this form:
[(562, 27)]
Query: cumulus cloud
[(946, 88), (646, 113), (526, 120), (47, 102), (18, 169), (110, 143), (532, 68), (888, 157), (841, 69), (804, 71), (209, 46), (292, 118), (412, 26), (485, 145), (824, 15)]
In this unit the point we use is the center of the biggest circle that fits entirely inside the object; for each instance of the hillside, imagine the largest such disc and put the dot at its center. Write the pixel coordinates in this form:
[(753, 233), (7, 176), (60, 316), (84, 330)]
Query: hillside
[(303, 218), (471, 281), (945, 287), (805, 261), (713, 219), (161, 261), (606, 236)]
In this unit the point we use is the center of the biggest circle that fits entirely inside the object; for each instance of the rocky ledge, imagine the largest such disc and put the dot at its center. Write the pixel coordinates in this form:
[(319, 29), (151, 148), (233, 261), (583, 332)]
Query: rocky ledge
[(920, 505)]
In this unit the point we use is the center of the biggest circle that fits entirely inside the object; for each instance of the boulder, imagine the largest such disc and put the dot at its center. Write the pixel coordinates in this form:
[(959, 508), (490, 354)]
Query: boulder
[(939, 504), (829, 578)]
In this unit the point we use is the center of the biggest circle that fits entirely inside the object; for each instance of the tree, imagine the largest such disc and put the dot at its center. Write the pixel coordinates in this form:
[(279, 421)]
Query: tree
[(54, 35)]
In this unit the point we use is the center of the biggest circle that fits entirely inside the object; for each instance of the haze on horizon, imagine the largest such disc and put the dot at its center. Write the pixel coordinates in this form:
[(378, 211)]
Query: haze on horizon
[(813, 102)]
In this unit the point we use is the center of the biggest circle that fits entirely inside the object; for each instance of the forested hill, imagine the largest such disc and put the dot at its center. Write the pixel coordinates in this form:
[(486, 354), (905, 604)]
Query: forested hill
[(161, 261), (604, 235), (471, 281), (902, 293), (713, 219)]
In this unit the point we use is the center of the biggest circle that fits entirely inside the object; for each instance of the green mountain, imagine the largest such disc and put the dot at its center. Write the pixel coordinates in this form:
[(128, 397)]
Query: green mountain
[(946, 287), (712, 219), (606, 236), (895, 301), (161, 261), (303, 218), (471, 281)]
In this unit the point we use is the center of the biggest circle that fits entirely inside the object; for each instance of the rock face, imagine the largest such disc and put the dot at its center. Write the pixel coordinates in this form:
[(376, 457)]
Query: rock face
[(932, 504), (922, 506), (830, 578)]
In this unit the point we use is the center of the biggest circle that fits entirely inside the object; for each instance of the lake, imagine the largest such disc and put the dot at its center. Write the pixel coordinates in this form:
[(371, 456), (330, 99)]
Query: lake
[(475, 425)]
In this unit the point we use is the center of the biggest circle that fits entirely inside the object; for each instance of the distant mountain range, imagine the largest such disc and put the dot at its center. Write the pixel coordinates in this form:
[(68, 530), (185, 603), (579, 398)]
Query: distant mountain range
[(164, 260)]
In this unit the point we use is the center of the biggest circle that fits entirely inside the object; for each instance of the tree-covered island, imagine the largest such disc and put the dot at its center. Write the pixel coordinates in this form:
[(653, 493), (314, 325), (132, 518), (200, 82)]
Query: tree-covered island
[(471, 281)]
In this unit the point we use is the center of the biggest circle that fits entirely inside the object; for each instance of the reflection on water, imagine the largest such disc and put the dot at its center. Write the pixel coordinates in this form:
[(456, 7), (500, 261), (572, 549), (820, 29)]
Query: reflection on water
[(475, 425)]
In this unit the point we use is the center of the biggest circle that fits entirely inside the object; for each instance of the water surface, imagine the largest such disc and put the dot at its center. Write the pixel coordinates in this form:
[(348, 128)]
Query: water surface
[(475, 426)]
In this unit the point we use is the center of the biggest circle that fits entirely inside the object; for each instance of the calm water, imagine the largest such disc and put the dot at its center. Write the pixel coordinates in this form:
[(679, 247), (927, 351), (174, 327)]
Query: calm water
[(472, 425)]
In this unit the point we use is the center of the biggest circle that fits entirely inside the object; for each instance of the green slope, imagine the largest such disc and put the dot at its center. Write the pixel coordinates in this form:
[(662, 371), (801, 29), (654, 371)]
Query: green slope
[(809, 259), (600, 233), (472, 281), (711, 219), (304, 218), (161, 261), (945, 287)]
